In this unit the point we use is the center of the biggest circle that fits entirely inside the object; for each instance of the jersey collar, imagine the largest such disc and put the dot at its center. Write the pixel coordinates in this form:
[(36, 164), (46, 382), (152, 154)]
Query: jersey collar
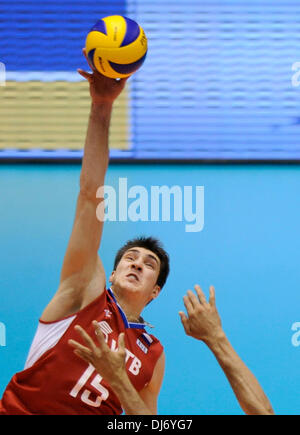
[(123, 315)]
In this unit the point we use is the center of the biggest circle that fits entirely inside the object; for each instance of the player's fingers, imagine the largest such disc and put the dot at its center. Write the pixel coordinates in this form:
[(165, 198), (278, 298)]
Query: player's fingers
[(79, 347), (121, 343), (85, 55), (122, 82), (87, 339), (88, 60), (188, 305), (212, 296), (84, 74), (119, 83), (100, 335), (200, 294), (82, 355)]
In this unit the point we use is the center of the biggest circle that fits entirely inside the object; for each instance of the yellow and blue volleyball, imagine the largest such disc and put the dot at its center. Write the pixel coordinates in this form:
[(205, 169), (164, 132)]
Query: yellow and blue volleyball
[(116, 46)]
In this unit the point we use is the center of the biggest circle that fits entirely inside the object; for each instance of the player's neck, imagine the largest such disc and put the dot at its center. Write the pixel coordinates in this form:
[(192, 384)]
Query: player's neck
[(131, 309), (132, 313)]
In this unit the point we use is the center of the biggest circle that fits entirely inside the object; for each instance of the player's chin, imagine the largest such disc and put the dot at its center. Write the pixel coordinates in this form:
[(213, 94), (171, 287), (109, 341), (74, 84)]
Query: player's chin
[(132, 284), (132, 280)]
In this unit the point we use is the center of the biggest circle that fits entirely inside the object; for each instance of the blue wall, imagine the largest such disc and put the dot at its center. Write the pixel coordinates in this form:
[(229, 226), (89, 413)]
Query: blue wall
[(49, 34), (249, 249), (213, 78), (215, 82)]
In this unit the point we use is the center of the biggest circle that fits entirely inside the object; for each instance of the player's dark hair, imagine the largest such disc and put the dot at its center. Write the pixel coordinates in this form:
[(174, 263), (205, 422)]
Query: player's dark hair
[(152, 245)]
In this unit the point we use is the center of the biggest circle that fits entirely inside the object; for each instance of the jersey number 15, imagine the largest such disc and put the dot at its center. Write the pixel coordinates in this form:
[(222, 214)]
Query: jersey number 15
[(96, 383)]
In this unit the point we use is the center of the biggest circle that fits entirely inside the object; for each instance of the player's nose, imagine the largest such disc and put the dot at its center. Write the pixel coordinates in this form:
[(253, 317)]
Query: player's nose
[(137, 265)]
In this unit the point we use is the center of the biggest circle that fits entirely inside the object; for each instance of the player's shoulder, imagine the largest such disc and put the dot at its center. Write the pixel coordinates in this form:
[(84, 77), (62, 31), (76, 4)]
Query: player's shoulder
[(148, 343), (150, 338)]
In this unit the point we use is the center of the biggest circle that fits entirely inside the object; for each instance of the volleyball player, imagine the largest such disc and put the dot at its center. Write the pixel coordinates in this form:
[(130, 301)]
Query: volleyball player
[(91, 353), (203, 323), (60, 377)]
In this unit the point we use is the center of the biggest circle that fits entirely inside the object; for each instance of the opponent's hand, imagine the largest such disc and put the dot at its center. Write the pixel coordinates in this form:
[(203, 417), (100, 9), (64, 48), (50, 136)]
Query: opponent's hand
[(203, 321), (102, 89), (109, 364)]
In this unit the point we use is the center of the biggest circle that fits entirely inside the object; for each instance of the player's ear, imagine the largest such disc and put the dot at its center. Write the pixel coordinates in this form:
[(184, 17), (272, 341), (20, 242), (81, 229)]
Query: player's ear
[(156, 291), (111, 276), (154, 294)]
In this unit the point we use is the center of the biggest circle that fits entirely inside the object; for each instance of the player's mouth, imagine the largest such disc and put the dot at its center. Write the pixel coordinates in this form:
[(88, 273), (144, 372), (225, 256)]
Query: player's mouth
[(133, 276)]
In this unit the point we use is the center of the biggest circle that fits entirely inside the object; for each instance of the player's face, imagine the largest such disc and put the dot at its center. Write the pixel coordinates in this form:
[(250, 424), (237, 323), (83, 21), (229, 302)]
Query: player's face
[(138, 271)]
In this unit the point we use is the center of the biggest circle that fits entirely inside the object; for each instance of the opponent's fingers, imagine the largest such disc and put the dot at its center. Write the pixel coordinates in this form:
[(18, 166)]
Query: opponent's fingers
[(212, 296), (188, 305), (201, 295), (85, 336), (193, 299), (184, 321)]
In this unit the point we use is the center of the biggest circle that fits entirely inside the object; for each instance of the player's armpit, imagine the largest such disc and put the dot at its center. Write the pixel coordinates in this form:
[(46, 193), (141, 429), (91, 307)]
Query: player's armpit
[(74, 294), (150, 393)]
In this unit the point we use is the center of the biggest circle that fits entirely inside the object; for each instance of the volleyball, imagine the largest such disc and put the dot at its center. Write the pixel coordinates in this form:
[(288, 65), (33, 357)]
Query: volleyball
[(116, 46)]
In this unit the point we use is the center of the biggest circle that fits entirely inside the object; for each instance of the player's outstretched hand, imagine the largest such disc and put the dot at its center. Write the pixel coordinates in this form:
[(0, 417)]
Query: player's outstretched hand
[(203, 321), (102, 89), (109, 364)]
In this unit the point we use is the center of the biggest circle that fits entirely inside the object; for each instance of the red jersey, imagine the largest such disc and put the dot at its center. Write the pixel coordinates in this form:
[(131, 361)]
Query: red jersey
[(61, 383)]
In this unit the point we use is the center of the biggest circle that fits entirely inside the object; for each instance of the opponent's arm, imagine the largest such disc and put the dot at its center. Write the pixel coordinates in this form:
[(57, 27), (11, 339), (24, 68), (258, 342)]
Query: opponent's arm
[(204, 323), (111, 365), (82, 275)]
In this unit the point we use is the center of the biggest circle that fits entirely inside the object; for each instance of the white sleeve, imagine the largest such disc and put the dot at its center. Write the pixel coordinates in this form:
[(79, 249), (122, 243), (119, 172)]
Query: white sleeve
[(47, 336)]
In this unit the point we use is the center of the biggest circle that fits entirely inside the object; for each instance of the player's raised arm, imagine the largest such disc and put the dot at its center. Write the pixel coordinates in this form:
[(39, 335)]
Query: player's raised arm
[(82, 276), (204, 323)]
